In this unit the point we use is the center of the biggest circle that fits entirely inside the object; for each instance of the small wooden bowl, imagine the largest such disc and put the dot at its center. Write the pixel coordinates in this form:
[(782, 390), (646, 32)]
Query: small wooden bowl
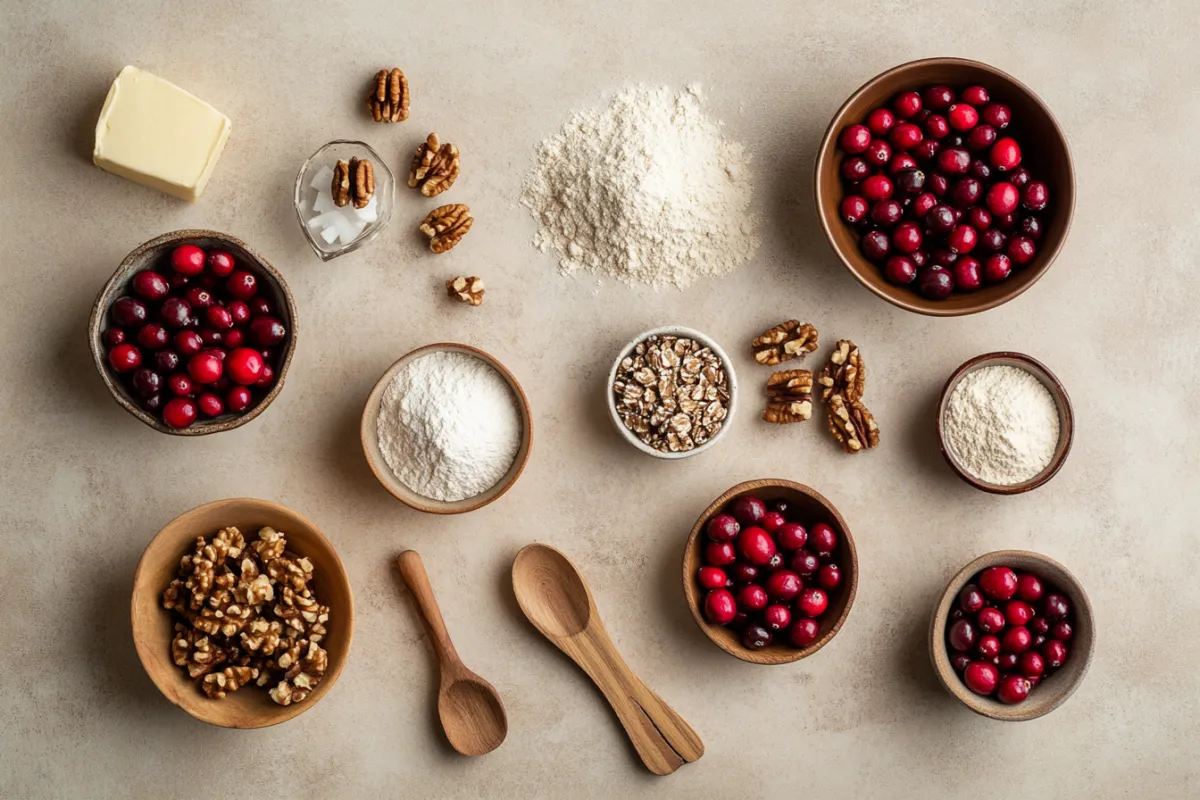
[(156, 251), (808, 505), (153, 626), (375, 460), (1045, 153), (1054, 690), (1066, 419)]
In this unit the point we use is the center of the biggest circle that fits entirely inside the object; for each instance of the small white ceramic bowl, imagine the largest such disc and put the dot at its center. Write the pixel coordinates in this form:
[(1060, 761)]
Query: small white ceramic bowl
[(671, 330)]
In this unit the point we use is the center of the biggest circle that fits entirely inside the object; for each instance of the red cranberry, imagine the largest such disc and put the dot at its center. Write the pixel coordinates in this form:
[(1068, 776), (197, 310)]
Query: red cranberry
[(1016, 640), (153, 403), (1056, 606), (900, 270), (1013, 689), (220, 263), (968, 274), (1006, 222), (1021, 250), (965, 193), (234, 337), (113, 337), (238, 398), (791, 536), (944, 258), (129, 312), (204, 367), (906, 136), (776, 562), (150, 285), (743, 573), (719, 608), (875, 245), (935, 283), (981, 677), (901, 162), (717, 554), (245, 366), (997, 115), (854, 139), (992, 239), (927, 150), (877, 187), (936, 126), (712, 578), (722, 528), (755, 545), (822, 538), (803, 632), (239, 311), (940, 220), (979, 218), (188, 343), (124, 358), (772, 521), (777, 617), (878, 153), (998, 583), (990, 620), (783, 585), (178, 281), (187, 259), (962, 239), (997, 267), (981, 138), (1007, 662), (804, 562), (962, 117), (938, 97), (907, 237), (923, 204), (166, 360), (211, 337), (1006, 154), (152, 336), (755, 637), (752, 597), (885, 213), (855, 169), (880, 121), (979, 169), (1054, 653), (210, 405), (1019, 177), (242, 285), (1036, 195), (1039, 626), (961, 635), (175, 312), (970, 599), (218, 317), (938, 185), (746, 510), (1031, 664), (1017, 612), (954, 161), (147, 382), (1003, 198), (910, 181), (179, 384), (988, 646), (960, 661), (1061, 631), (1031, 228), (830, 577), (179, 412), (907, 104), (199, 298), (854, 209), (812, 602), (975, 95)]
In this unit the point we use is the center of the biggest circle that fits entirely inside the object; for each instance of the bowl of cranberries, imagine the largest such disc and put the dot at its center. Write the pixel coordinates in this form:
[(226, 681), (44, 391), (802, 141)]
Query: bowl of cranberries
[(945, 186), (770, 571), (194, 332), (1012, 635)]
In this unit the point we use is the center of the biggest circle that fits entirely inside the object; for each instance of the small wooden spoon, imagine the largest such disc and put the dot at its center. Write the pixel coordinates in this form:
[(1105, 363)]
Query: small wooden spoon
[(557, 600), (470, 708)]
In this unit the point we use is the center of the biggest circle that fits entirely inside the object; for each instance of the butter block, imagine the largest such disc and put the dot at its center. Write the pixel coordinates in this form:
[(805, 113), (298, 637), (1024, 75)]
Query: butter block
[(156, 134)]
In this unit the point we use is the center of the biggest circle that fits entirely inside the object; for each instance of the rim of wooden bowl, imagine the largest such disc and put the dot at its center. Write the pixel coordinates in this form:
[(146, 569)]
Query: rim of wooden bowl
[(139, 258), (369, 435), (153, 625), (1053, 691), (775, 653), (1066, 419), (827, 199)]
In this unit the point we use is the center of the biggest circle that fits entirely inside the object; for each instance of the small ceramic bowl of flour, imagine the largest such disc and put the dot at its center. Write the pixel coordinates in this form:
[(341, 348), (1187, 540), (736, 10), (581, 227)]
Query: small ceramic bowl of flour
[(447, 429), (1005, 423)]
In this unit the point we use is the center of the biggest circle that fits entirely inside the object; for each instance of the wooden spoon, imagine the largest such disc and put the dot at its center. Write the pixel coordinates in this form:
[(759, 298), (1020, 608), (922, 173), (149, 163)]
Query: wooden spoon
[(470, 708), (557, 600)]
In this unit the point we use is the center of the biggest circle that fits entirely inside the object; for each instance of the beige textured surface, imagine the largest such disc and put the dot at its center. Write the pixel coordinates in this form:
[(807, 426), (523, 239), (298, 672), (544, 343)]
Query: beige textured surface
[(84, 485)]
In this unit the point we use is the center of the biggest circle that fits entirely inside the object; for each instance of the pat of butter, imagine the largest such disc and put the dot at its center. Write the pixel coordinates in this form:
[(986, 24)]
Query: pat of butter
[(156, 134)]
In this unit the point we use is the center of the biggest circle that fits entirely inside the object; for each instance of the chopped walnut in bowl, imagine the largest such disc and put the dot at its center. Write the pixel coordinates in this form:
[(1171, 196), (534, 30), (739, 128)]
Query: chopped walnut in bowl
[(672, 392)]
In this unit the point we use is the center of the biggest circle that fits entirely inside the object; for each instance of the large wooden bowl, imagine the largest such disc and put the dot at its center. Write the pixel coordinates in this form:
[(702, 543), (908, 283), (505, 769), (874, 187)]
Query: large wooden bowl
[(810, 507), (1044, 151), (153, 626), (157, 251), (1054, 690)]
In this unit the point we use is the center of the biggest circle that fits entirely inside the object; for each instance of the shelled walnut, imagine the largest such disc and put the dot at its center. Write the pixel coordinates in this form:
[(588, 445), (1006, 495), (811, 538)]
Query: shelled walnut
[(784, 342), (789, 396), (852, 424), (434, 167), (389, 97), (845, 373), (466, 290), (248, 615), (353, 181), (446, 225)]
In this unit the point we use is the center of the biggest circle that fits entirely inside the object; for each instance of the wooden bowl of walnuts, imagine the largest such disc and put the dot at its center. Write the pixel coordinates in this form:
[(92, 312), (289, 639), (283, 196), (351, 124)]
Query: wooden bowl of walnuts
[(242, 613)]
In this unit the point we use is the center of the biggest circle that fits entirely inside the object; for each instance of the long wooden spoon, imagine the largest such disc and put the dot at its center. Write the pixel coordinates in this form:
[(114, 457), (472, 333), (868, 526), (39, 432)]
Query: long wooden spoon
[(470, 708), (557, 600)]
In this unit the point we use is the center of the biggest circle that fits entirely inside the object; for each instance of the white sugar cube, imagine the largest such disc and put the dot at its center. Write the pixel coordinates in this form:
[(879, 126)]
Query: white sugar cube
[(368, 213), (323, 178), (329, 234), (347, 230), (324, 201), (324, 220)]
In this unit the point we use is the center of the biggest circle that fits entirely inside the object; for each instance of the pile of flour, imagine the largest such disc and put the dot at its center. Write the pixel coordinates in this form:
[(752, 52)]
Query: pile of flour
[(646, 191)]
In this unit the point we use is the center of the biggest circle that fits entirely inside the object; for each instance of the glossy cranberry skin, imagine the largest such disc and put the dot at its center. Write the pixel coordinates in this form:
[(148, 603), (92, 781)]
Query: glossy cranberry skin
[(755, 637), (1006, 154), (936, 126), (1031, 228), (997, 115), (1016, 640), (717, 554), (791, 536), (854, 139), (979, 218), (998, 583), (822, 538), (124, 358), (830, 577), (743, 573), (975, 95), (1039, 626), (220, 263), (244, 366), (906, 136), (880, 121), (886, 213), (1018, 612), (910, 181), (179, 412), (719, 607), (961, 635), (777, 617), (965, 193), (238, 398), (755, 545), (175, 312), (1003, 198), (1031, 664), (1035, 196), (907, 237), (923, 204), (752, 597), (935, 283), (113, 337), (927, 150), (783, 585), (988, 646), (990, 620), (166, 361), (1056, 606), (940, 220), (970, 599), (712, 578), (968, 274), (150, 285), (1061, 631), (900, 270), (901, 162), (199, 299), (875, 245), (959, 661), (907, 104), (1006, 222), (242, 285), (1019, 177), (210, 405), (179, 384), (878, 153), (723, 528), (854, 209), (1021, 250), (1013, 689), (962, 117), (981, 138), (938, 98), (812, 602), (187, 259), (803, 632), (981, 677), (1054, 653), (152, 336), (953, 161), (877, 187), (146, 382), (772, 521), (962, 239), (997, 267), (855, 169), (804, 562), (205, 367), (188, 343), (993, 240), (129, 312)]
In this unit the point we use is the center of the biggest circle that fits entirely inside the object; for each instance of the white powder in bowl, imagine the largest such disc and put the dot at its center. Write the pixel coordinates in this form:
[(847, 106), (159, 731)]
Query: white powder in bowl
[(449, 426), (1001, 424)]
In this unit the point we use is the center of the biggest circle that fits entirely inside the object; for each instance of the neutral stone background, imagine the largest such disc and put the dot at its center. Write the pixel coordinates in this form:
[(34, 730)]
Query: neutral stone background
[(85, 486)]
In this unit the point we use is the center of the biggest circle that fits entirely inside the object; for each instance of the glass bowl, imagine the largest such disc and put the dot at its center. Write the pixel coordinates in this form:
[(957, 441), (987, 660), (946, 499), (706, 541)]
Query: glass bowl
[(305, 194)]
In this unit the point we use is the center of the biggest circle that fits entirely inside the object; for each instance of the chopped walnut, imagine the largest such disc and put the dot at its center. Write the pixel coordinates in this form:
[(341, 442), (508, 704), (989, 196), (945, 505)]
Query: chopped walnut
[(845, 373), (446, 226), (466, 290), (789, 396), (434, 167), (852, 424), (218, 684), (784, 342)]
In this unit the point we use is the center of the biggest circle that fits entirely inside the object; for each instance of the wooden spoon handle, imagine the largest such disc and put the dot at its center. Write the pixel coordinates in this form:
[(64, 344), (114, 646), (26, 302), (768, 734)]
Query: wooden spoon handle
[(413, 572)]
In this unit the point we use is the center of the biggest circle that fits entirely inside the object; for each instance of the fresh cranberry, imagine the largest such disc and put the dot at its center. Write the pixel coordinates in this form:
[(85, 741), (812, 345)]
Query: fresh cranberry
[(822, 538), (1031, 228), (178, 281), (211, 337), (878, 153), (1006, 222), (153, 403), (962, 117), (979, 218), (245, 366), (923, 203), (129, 312), (927, 150), (875, 245), (755, 545), (960, 661), (803, 632), (746, 510), (719, 607), (717, 554), (166, 360), (1019, 177), (1061, 631), (204, 367), (187, 259), (830, 577), (1016, 640), (124, 358), (710, 577), (938, 184), (772, 521), (239, 311), (268, 375), (1006, 154), (812, 602), (777, 617), (752, 597), (854, 209), (877, 187), (880, 121), (1017, 612), (1039, 626), (990, 620), (970, 599), (901, 162), (198, 298), (940, 220), (1003, 198), (146, 382), (980, 170), (1013, 689), (791, 536), (179, 412), (993, 240), (722, 528), (968, 274), (981, 677), (965, 193), (1036, 195), (238, 398), (910, 181), (935, 283), (900, 270), (938, 97), (152, 336), (961, 635), (944, 258), (242, 285), (1031, 664), (175, 312), (988, 646), (210, 405), (936, 126), (997, 267), (885, 214), (854, 139), (1056, 606), (783, 585), (1007, 662), (150, 285), (1021, 250), (975, 95), (981, 138), (188, 343), (234, 337), (907, 237), (962, 239), (113, 337), (179, 384), (907, 104), (855, 169), (743, 573), (906, 136), (220, 263), (953, 161), (998, 583), (997, 115), (1054, 653), (219, 318), (756, 637)]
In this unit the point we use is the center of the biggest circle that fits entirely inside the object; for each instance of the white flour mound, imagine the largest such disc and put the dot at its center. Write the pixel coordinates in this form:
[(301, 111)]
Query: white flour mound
[(644, 191)]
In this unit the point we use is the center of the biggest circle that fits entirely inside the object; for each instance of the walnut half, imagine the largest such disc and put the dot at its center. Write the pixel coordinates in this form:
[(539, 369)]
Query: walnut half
[(446, 226), (784, 342), (388, 100), (789, 397), (466, 290), (852, 424), (434, 167), (845, 374)]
